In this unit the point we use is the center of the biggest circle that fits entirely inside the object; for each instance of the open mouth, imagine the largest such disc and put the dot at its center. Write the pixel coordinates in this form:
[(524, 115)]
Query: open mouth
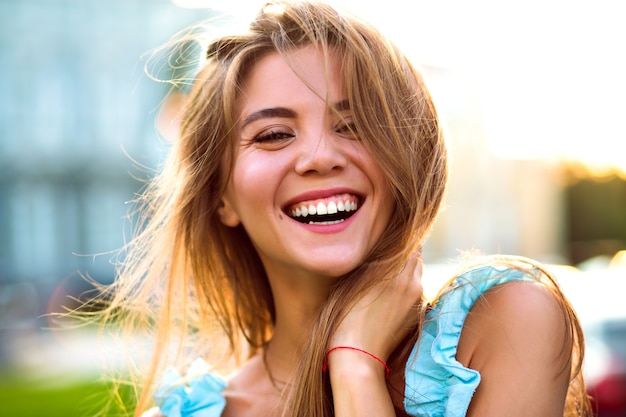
[(326, 211)]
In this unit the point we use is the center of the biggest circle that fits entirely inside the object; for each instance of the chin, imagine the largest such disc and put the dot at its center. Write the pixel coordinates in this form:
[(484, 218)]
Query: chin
[(334, 271)]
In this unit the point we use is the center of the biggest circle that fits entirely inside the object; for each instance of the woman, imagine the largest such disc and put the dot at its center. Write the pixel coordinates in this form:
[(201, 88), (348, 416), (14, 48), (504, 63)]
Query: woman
[(289, 218)]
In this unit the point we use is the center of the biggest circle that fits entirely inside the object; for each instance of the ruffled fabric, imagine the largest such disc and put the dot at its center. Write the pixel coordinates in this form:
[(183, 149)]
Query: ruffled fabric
[(437, 385), (198, 394)]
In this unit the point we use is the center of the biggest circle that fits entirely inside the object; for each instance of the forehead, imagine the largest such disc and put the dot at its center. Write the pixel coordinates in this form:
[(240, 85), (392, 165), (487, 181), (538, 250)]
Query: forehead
[(293, 76)]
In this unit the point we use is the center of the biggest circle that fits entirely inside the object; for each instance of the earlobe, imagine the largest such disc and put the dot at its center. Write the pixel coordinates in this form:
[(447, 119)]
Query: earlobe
[(228, 216)]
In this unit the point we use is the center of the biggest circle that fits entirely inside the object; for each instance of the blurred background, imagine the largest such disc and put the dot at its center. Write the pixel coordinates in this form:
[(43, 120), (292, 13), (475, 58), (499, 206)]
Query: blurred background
[(532, 98)]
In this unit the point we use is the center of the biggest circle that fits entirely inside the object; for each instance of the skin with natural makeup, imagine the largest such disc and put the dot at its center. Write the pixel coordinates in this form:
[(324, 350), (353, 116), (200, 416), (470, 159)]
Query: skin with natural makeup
[(305, 189)]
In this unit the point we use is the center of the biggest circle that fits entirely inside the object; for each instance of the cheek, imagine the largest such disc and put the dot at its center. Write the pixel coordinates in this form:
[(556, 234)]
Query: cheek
[(381, 187), (253, 184), (375, 174)]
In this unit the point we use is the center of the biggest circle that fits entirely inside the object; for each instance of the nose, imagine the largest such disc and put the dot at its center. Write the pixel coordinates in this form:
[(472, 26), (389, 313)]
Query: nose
[(320, 154)]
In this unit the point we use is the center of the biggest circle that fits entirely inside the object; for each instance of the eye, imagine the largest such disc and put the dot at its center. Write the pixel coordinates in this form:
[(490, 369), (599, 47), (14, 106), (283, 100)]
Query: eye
[(347, 128), (274, 135)]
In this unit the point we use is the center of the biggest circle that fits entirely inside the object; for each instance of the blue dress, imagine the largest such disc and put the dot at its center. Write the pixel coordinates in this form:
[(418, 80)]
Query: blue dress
[(437, 385)]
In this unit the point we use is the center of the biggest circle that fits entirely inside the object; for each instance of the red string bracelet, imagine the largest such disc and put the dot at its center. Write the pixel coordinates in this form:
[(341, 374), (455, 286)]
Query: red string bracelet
[(325, 364)]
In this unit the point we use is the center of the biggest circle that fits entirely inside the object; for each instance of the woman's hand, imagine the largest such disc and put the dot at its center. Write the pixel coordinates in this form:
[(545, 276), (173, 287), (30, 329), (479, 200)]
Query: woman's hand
[(377, 323), (385, 314)]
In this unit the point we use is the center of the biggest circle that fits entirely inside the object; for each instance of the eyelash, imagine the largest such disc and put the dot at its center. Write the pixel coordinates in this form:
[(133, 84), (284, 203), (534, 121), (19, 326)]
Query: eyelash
[(269, 136), (347, 129)]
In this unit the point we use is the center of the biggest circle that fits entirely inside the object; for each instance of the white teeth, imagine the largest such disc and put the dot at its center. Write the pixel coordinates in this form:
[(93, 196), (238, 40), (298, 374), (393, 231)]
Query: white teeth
[(322, 208)]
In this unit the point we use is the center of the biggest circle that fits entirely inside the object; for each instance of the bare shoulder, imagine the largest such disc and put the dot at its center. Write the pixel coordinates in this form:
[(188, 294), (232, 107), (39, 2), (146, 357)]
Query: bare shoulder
[(519, 314), (518, 337), (527, 299)]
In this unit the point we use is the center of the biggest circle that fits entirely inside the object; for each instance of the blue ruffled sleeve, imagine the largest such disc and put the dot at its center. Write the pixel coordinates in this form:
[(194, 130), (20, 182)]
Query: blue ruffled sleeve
[(198, 394), (437, 385)]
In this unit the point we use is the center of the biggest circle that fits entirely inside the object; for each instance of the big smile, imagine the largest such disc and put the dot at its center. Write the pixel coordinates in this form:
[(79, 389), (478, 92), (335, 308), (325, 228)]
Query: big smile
[(332, 210)]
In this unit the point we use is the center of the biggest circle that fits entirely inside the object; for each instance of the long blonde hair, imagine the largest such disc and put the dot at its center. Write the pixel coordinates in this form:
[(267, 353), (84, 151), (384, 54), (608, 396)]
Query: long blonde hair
[(186, 276)]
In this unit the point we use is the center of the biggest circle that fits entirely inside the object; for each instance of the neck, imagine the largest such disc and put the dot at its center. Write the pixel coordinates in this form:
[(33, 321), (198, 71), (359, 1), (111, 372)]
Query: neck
[(297, 300)]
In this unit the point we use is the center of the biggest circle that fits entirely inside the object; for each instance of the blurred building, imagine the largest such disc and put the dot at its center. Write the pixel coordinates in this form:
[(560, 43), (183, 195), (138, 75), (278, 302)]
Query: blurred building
[(493, 205), (77, 118)]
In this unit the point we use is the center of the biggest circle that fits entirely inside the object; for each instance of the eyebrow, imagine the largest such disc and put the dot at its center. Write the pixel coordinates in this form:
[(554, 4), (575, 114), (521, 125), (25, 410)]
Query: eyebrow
[(342, 105), (283, 112)]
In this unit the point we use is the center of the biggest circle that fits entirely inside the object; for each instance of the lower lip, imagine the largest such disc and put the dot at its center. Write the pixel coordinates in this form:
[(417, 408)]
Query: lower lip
[(329, 228)]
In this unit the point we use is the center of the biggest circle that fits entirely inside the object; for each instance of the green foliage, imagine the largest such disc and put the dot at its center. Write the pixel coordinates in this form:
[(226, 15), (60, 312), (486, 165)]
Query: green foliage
[(80, 399)]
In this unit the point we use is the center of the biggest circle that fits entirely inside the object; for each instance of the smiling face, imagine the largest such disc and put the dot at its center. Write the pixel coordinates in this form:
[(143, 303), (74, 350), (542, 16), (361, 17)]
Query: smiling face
[(310, 196)]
